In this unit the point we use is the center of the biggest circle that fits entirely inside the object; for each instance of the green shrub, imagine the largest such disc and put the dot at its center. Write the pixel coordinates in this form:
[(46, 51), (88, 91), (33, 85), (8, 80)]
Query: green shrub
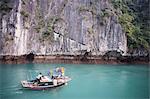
[(132, 22), (105, 13), (5, 7)]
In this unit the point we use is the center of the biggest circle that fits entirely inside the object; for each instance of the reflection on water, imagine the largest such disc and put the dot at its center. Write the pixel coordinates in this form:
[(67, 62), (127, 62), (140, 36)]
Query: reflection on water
[(88, 82)]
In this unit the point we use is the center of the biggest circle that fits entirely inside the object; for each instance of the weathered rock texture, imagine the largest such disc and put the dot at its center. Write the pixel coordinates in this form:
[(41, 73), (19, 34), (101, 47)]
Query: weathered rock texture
[(60, 27)]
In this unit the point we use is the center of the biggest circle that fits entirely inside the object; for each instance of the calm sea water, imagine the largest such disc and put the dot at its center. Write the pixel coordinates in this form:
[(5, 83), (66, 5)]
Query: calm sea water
[(88, 82)]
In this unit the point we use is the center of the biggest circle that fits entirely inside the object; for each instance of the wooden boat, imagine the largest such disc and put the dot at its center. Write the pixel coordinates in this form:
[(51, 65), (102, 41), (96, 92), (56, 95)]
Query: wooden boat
[(45, 85)]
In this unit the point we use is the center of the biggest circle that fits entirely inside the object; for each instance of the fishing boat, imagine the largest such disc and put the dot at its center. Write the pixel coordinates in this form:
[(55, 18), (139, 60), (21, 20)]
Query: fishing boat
[(55, 80), (44, 85)]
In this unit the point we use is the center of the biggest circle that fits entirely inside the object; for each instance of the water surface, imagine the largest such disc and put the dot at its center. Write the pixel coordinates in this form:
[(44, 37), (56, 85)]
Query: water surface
[(88, 82)]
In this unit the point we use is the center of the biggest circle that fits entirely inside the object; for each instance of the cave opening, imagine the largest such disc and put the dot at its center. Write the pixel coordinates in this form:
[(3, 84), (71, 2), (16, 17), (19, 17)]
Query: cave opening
[(30, 57)]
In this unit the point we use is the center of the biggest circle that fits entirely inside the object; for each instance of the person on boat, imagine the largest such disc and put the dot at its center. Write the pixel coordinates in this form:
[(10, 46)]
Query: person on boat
[(55, 73), (59, 73), (38, 78)]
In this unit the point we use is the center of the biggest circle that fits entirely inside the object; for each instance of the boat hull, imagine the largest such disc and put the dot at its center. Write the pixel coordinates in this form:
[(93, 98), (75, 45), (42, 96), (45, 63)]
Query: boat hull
[(31, 85), (36, 87)]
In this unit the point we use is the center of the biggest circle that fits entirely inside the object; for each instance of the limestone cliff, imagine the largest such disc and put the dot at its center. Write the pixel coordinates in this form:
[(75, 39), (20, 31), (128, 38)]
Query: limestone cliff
[(60, 27)]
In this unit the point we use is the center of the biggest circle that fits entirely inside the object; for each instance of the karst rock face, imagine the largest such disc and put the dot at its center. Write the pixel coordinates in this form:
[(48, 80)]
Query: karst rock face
[(50, 27)]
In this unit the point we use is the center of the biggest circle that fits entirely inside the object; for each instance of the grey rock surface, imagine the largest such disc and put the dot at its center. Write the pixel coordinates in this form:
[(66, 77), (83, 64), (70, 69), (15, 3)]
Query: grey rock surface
[(51, 27)]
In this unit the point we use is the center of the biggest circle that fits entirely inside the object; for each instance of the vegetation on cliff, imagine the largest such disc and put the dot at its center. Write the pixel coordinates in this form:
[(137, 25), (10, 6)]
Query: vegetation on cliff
[(5, 7), (134, 18)]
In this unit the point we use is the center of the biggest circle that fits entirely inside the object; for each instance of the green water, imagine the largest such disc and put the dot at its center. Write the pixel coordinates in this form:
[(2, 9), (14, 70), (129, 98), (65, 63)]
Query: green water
[(88, 82)]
